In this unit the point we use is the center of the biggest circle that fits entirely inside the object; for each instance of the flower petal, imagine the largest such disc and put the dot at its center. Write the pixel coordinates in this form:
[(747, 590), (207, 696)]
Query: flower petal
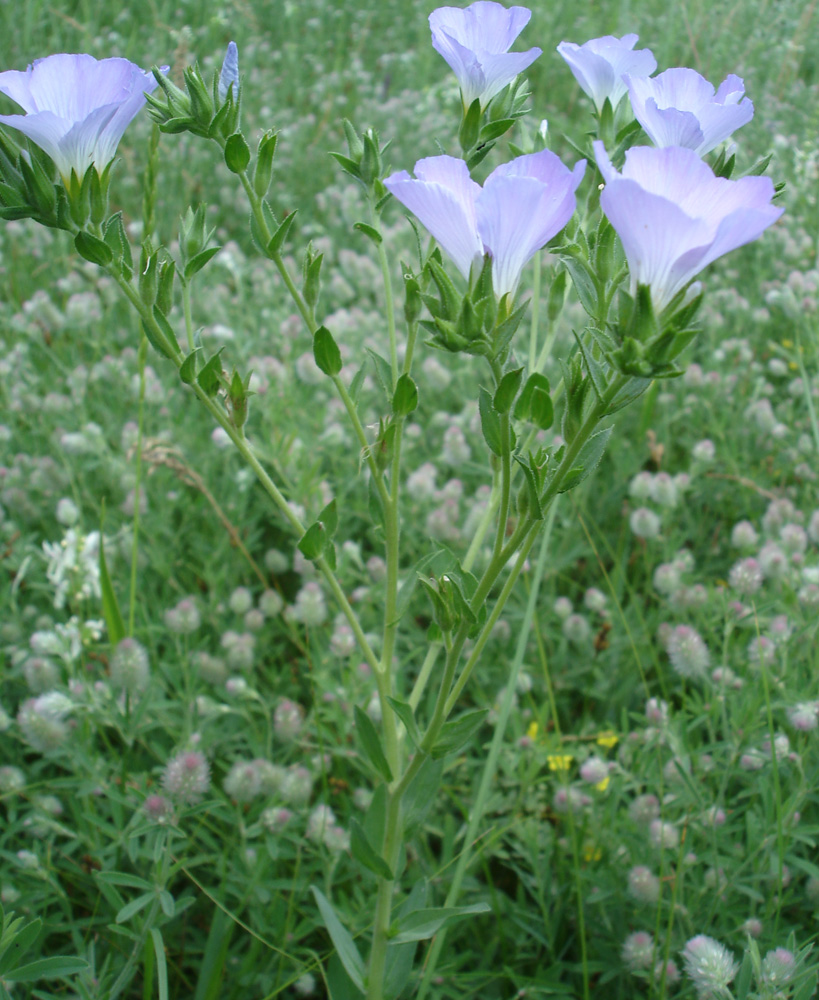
[(600, 64), (443, 198)]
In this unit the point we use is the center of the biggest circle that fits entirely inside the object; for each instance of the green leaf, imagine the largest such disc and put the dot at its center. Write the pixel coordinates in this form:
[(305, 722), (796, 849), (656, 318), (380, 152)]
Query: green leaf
[(458, 732), (18, 943), (370, 231), (490, 421), (420, 795), (326, 352), (340, 936), (93, 249), (423, 924), (187, 370), (162, 339), (280, 235), (383, 372), (405, 713), (47, 968), (743, 981), (110, 605), (161, 964), (535, 402), (507, 390), (593, 366), (132, 908), (371, 743), (587, 460), (329, 518), (357, 382), (375, 821), (339, 984), (583, 283), (311, 544), (237, 153), (197, 262), (210, 377), (122, 878), (405, 397), (214, 956), (364, 852)]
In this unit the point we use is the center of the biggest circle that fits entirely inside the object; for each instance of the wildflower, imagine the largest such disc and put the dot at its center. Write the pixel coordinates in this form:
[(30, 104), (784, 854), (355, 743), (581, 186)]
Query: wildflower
[(520, 207), (296, 785), (704, 451), (42, 721), (680, 108), (595, 770), (674, 216), (746, 576), (607, 739), (576, 629), (254, 619), (752, 927), (778, 967), (743, 535), (638, 951), (644, 523), (656, 711), (274, 819), (305, 985), (599, 65), (761, 650), (563, 608), (242, 782), (663, 834), (475, 42), (643, 884), (288, 718), (76, 107), (666, 578), (804, 716), (687, 651), (67, 512), (229, 77), (595, 600), (710, 966), (186, 777), (240, 601), (772, 561), (157, 808), (644, 809), (641, 486), (12, 779), (184, 618), (664, 490), (559, 761), (130, 669), (41, 674), (270, 603), (569, 799)]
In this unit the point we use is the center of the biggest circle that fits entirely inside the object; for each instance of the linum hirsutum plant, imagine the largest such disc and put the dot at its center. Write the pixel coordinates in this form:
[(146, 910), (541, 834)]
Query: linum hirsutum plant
[(632, 256)]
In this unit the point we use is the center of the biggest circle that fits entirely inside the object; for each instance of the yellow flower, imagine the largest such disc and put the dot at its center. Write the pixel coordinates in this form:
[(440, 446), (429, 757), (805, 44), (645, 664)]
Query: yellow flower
[(793, 366), (608, 739), (559, 761), (601, 786), (787, 344), (591, 852), (531, 732)]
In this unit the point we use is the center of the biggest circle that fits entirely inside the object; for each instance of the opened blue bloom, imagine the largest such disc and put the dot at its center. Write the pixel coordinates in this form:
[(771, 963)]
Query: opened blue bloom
[(76, 107), (599, 66), (475, 41), (680, 108), (674, 216), (520, 207)]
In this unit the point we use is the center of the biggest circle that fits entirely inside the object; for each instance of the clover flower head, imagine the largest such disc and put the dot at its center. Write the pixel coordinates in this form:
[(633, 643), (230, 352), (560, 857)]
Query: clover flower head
[(674, 216), (521, 206), (475, 41), (76, 107), (600, 64), (681, 108), (709, 965)]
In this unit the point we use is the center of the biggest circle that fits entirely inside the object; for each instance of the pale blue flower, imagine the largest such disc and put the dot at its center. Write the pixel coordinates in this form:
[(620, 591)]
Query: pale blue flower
[(674, 216), (521, 206), (680, 108), (475, 41), (76, 107), (230, 72), (599, 66)]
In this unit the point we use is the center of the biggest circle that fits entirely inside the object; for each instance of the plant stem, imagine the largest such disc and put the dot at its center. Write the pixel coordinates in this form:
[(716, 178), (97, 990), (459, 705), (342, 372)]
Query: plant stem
[(141, 355), (389, 303), (490, 767)]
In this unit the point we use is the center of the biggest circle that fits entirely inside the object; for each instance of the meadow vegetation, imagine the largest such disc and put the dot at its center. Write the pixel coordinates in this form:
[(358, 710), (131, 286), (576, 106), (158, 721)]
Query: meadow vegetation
[(647, 770)]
